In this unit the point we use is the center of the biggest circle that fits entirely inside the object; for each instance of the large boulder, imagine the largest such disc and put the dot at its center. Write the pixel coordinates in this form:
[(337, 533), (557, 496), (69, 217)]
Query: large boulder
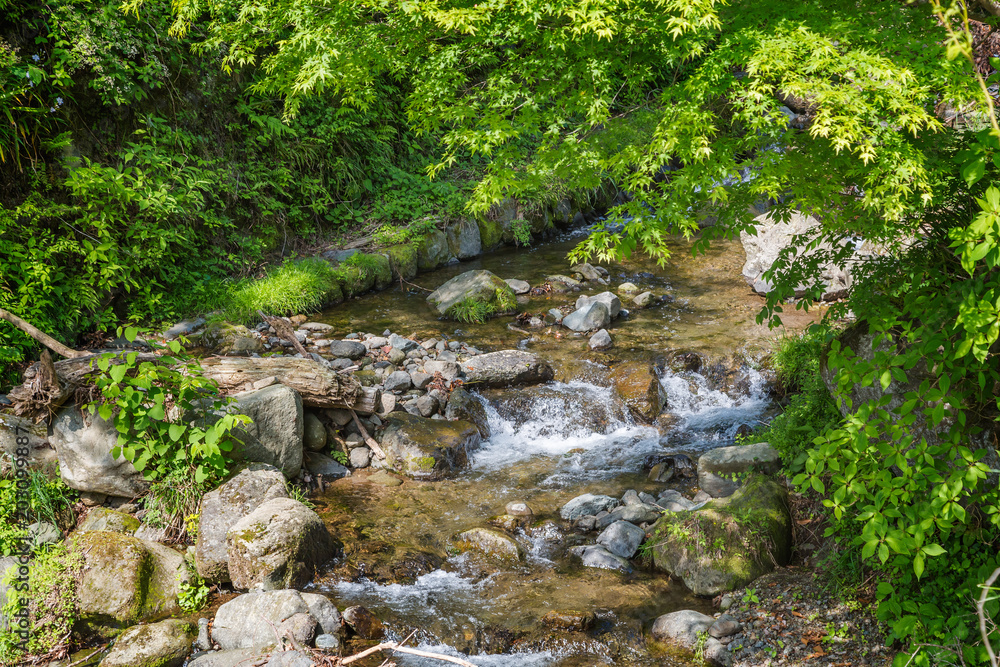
[(83, 444), (433, 250), (773, 237), (688, 630), (588, 317), (223, 338), (729, 542), (223, 507), (479, 286), (507, 367), (275, 436), (125, 580), (428, 448), (721, 470), (163, 644), (609, 299), (464, 240), (278, 545), (638, 386), (463, 405), (254, 620)]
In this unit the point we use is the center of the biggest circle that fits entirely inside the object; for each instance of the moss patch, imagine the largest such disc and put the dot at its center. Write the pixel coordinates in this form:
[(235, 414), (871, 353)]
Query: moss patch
[(403, 259), (490, 233)]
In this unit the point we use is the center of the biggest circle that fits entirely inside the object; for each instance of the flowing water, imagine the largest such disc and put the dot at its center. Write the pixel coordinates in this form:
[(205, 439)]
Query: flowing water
[(550, 443)]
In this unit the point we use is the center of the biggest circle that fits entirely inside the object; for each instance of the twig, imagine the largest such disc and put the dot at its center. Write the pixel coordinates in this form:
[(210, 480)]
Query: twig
[(981, 612), (370, 441), (40, 336), (403, 649)]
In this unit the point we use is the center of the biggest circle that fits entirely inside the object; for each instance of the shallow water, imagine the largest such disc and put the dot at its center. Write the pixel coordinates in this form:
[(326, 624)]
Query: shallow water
[(550, 443)]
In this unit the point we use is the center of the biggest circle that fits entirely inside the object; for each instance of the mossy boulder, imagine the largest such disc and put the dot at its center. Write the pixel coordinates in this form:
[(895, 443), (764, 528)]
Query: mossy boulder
[(403, 259), (464, 241), (125, 580), (729, 542), (480, 287), (103, 518), (234, 339), (278, 545), (428, 448), (638, 386), (163, 644), (381, 267), (433, 250), (491, 233)]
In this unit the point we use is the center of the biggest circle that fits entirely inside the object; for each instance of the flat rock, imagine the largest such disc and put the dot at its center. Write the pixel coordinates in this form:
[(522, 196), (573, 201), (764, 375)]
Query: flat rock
[(104, 518), (507, 367), (519, 286), (240, 657), (401, 343), (245, 622), (594, 555), (586, 504)]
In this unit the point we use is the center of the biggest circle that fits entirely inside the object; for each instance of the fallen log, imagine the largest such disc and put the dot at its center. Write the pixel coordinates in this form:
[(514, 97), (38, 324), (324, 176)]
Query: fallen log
[(39, 335)]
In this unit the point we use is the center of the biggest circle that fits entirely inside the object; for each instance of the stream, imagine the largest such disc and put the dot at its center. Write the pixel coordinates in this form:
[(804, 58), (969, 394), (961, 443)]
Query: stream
[(549, 444)]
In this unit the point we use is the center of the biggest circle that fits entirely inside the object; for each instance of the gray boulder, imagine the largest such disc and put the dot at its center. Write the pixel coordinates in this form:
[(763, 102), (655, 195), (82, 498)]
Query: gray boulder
[(600, 340), (278, 545), (83, 444), (433, 250), (609, 299), (685, 629), (223, 507), (721, 470), (398, 381), (464, 240), (463, 405), (275, 435), (103, 518), (507, 367), (479, 285), (251, 620), (643, 300), (163, 644), (774, 237), (591, 316), (313, 433), (428, 448), (594, 555), (347, 349), (587, 504), (587, 271), (622, 538)]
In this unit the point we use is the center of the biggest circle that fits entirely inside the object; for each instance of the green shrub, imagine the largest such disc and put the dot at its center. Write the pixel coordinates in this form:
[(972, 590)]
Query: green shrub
[(49, 500), (477, 311), (292, 288)]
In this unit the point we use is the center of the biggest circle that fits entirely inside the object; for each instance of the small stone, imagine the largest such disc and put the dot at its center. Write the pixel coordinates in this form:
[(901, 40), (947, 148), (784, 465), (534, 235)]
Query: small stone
[(360, 457), (313, 433), (556, 315), (622, 538), (600, 340), (420, 380), (350, 349), (572, 621), (599, 557), (396, 355), (627, 288), (426, 405), (376, 342), (586, 523), (726, 602), (400, 343), (449, 370), (429, 343), (701, 497), (354, 440), (518, 508), (339, 417), (585, 504), (203, 642), (642, 300), (519, 286), (631, 497), (646, 498), (387, 403), (327, 642), (398, 381), (725, 626)]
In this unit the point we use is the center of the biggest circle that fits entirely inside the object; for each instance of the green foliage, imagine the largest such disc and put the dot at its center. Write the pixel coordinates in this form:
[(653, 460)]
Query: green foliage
[(340, 457), (476, 311), (193, 595), (292, 288), (48, 500), (47, 599), (167, 416)]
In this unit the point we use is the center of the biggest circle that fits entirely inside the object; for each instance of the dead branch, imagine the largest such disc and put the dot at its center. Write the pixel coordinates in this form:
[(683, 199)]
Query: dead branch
[(40, 336), (285, 330), (370, 441), (393, 646), (981, 612)]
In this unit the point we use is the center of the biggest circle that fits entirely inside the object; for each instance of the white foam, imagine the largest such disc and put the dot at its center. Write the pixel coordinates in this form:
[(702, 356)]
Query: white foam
[(420, 595), (536, 659)]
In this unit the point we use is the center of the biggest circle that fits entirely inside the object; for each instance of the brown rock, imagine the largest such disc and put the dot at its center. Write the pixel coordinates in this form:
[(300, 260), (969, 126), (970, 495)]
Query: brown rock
[(363, 622)]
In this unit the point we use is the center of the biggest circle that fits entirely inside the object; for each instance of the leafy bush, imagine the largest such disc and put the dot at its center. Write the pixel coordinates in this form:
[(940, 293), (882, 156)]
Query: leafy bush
[(292, 288), (49, 500)]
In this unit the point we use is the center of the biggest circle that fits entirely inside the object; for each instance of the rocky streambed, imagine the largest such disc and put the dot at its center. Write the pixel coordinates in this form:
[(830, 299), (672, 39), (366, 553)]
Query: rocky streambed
[(537, 490)]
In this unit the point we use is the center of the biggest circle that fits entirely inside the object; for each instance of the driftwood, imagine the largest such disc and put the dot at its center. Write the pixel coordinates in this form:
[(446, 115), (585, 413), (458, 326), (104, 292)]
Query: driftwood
[(398, 648), (370, 441), (285, 330), (319, 386), (39, 335)]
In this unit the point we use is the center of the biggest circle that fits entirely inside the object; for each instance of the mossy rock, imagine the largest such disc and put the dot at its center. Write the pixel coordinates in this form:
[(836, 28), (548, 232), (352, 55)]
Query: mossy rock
[(163, 644), (102, 518), (478, 292), (366, 378), (382, 268), (428, 448), (355, 280), (334, 295), (433, 250), (491, 233), (403, 258), (224, 338), (125, 580), (493, 544), (727, 543)]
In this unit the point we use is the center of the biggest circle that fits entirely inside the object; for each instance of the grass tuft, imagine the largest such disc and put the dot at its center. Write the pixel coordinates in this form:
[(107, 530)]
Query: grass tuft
[(292, 288)]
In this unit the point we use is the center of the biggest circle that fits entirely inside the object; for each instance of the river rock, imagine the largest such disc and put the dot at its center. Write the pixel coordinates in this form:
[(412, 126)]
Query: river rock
[(360, 457), (223, 339), (290, 659), (223, 507), (320, 464), (507, 367), (313, 433), (463, 405), (774, 237), (240, 657), (464, 240), (609, 299), (721, 469), (401, 343), (593, 315), (489, 542), (278, 545), (739, 538), (638, 386), (569, 621), (449, 370), (628, 288), (587, 271), (622, 538), (593, 555), (246, 622), (163, 644), (725, 626), (363, 622), (398, 381), (433, 251), (104, 518), (479, 285), (587, 504), (275, 435), (642, 300), (600, 340), (347, 349), (519, 286), (125, 580), (518, 508), (685, 629), (428, 448), (83, 444)]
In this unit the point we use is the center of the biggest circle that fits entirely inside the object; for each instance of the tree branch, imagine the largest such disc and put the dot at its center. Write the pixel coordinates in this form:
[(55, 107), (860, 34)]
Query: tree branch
[(40, 336)]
